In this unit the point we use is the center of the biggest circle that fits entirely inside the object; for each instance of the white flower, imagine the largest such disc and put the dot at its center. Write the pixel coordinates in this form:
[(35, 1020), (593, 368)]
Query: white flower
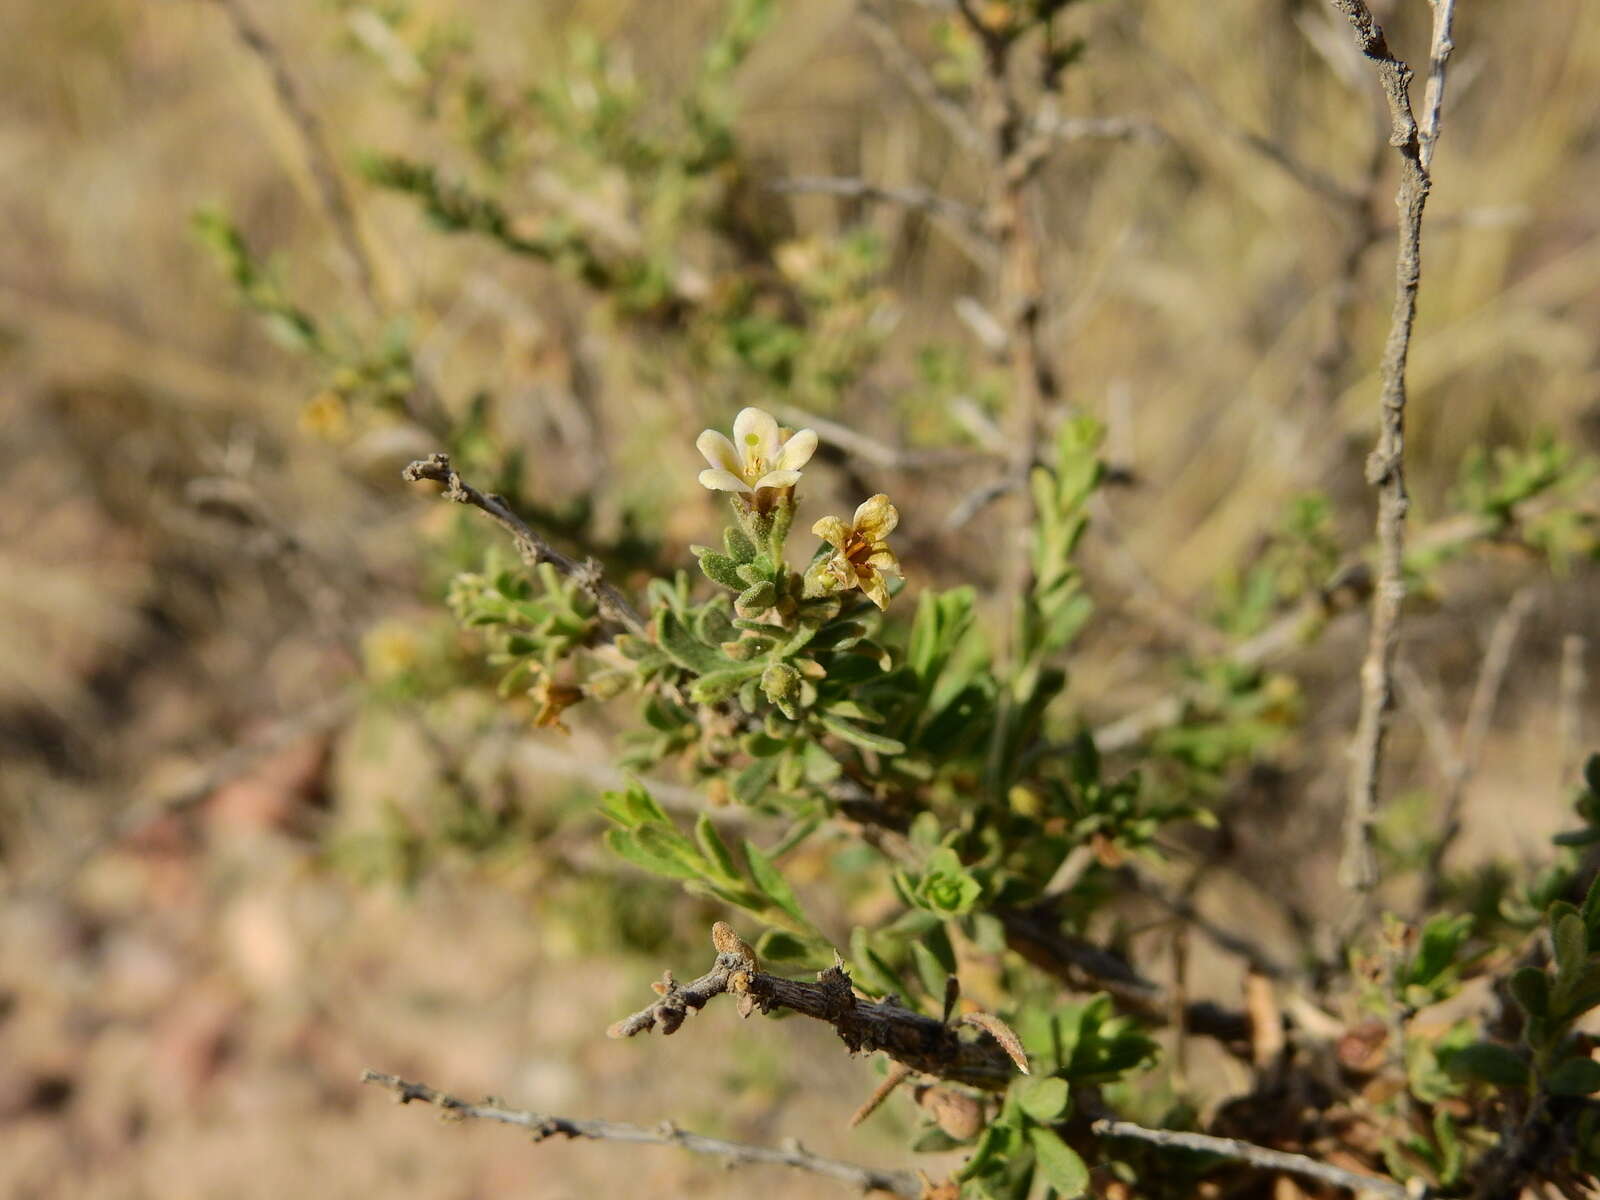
[(758, 457)]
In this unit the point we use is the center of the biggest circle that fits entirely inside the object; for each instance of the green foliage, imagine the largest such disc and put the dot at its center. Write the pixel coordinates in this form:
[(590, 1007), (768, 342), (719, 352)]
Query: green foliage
[(1299, 556), (961, 779), (648, 838), (1531, 494)]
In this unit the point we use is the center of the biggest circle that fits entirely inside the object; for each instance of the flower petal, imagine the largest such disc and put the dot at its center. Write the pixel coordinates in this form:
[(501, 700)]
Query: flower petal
[(718, 450), (833, 531), (755, 436), (872, 583), (722, 481), (776, 479), (797, 451), (876, 518), (883, 559)]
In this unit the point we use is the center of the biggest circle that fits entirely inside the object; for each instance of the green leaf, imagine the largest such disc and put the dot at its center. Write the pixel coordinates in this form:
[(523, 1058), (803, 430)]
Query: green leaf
[(720, 569), (1591, 907), (715, 686), (683, 647), (934, 1141), (1450, 1149), (628, 846), (1582, 993), (744, 897), (782, 946), (740, 548), (930, 971), (667, 842), (871, 968), (1571, 941), (937, 942), (771, 881), (1530, 988), (798, 833), (1059, 1163), (715, 851), (861, 737), (946, 886), (1437, 947), (751, 783), (1575, 1077), (1591, 774), (632, 806), (821, 767), (756, 598), (1045, 1100), (1577, 837), (994, 1142), (1488, 1061)]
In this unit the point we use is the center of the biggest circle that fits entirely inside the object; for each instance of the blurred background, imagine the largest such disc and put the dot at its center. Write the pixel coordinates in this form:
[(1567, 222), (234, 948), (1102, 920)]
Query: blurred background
[(262, 823)]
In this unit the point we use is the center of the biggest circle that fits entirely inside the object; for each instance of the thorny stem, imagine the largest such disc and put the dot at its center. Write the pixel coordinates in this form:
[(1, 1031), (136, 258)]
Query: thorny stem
[(925, 1044), (1386, 465), (530, 545), (541, 1126)]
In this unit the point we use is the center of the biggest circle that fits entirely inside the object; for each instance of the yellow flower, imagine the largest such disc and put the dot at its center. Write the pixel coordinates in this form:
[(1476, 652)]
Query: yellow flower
[(760, 456), (860, 555)]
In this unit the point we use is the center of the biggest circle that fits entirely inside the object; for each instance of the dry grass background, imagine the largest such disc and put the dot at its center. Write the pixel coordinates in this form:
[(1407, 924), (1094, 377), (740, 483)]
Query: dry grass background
[(184, 1014)]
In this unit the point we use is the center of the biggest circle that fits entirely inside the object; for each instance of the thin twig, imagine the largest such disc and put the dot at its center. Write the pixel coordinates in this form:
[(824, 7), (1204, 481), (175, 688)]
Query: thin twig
[(963, 223), (1439, 50), (530, 545), (1116, 129), (331, 190), (1386, 465), (423, 403), (1183, 907), (1019, 289), (904, 63), (1329, 360), (1037, 937), (1315, 181), (1572, 684), (1492, 676), (1460, 763), (923, 1043), (1165, 613), (879, 453), (1255, 1156), (1293, 629), (541, 1126), (965, 510)]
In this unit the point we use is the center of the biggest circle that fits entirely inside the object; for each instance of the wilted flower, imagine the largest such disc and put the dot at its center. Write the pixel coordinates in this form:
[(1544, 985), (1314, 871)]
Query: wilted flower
[(760, 456), (860, 555)]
